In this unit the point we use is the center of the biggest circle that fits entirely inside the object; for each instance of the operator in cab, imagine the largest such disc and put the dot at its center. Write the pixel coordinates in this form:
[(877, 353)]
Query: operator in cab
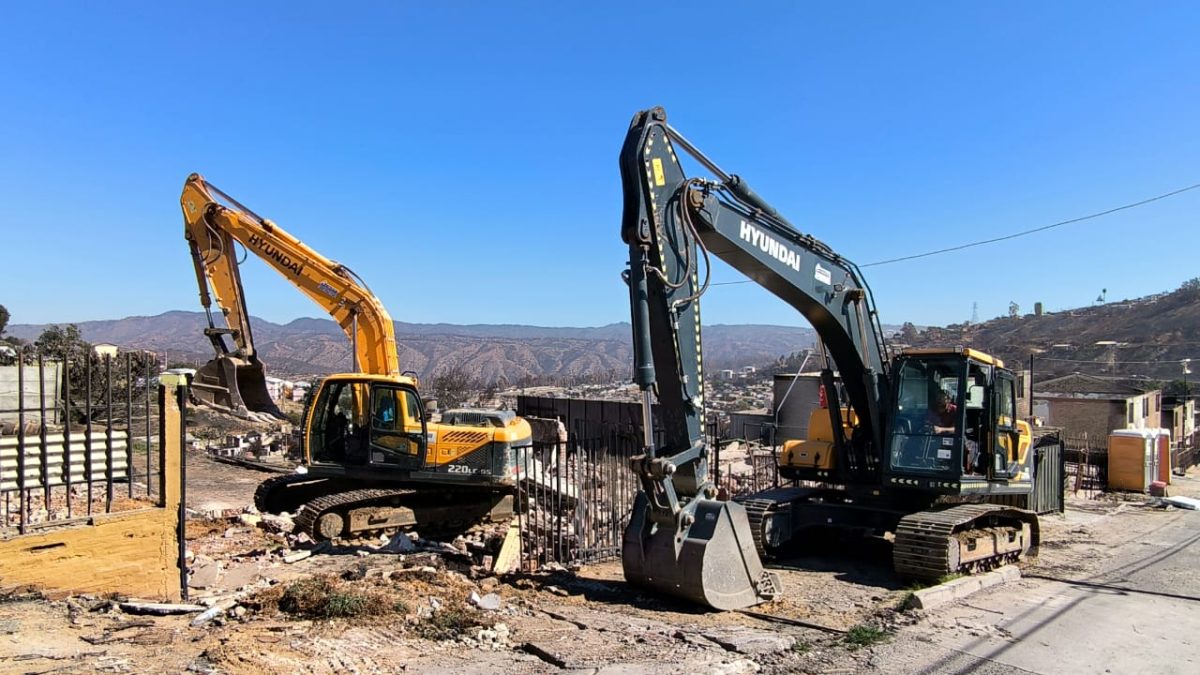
[(943, 414)]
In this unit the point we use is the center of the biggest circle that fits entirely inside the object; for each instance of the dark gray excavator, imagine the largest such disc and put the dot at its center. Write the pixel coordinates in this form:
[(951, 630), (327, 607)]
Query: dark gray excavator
[(926, 445)]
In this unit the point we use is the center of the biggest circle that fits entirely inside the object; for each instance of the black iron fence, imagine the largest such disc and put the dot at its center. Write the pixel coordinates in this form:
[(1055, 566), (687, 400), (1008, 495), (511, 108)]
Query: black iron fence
[(746, 465), (574, 499), (77, 437), (1085, 460)]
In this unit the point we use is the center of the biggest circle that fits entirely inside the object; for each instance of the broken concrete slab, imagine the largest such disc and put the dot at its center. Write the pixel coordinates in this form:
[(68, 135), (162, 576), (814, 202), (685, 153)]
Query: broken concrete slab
[(401, 543), (748, 640), (203, 574), (489, 602), (297, 556), (928, 598), (242, 575)]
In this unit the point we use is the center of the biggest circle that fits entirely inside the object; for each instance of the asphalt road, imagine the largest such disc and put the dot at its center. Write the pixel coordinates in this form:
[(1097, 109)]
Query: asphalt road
[(1139, 612)]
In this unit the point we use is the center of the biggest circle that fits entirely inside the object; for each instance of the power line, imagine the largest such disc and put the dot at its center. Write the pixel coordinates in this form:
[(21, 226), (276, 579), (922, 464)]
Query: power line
[(1106, 362), (1007, 236), (1036, 229)]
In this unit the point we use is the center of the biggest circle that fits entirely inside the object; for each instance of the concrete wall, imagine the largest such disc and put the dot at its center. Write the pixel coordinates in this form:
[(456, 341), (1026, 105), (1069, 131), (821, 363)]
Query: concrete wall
[(134, 553), (1098, 416), (1077, 416), (10, 395)]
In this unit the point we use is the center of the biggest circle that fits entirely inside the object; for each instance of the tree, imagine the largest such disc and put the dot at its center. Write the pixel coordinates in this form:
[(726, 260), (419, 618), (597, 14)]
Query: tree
[(66, 344), (453, 386), (1014, 310), (3, 319)]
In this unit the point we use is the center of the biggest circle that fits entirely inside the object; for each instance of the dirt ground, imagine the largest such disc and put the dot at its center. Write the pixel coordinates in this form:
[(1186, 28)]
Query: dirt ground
[(416, 608)]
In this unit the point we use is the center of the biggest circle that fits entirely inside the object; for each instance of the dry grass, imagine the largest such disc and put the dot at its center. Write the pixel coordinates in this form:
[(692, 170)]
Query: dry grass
[(325, 597)]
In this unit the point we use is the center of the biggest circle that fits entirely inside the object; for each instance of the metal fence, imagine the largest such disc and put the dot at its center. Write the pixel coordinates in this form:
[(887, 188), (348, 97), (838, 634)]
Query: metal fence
[(1049, 476), (76, 437), (747, 465), (1085, 460), (574, 499)]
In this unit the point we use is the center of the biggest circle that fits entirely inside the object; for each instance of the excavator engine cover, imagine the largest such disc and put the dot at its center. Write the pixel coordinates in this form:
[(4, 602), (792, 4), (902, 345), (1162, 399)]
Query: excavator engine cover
[(237, 384), (712, 561)]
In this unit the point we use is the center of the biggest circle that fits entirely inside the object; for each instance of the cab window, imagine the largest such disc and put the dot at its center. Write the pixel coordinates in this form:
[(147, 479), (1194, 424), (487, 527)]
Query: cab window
[(396, 424), (337, 420)]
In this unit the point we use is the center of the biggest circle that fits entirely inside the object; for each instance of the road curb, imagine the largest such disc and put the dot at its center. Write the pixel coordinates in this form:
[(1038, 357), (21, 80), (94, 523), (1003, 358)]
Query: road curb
[(928, 598)]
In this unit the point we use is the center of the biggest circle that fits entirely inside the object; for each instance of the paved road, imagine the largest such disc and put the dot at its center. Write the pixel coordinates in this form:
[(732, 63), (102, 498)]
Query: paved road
[(1139, 614)]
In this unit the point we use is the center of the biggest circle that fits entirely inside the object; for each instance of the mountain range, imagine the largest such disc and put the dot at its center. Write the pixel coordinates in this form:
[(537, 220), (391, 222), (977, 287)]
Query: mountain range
[(509, 353)]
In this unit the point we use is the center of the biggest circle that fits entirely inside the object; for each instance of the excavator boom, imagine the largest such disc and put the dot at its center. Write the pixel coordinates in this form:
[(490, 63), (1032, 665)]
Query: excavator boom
[(235, 378)]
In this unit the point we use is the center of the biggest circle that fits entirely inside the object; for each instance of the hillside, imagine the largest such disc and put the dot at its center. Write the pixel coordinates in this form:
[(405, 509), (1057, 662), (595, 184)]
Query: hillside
[(1152, 335), (492, 352)]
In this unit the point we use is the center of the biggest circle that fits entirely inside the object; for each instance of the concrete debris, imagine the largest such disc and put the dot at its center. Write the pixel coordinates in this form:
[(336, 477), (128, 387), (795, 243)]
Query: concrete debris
[(203, 574), (272, 523), (1183, 503), (928, 598), (749, 641), (495, 637), (297, 556), (212, 612), (249, 519), (159, 608), (400, 543), (489, 602)]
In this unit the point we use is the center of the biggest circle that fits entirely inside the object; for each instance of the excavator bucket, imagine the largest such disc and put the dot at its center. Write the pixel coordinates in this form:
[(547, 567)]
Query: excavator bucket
[(711, 562), (237, 384)]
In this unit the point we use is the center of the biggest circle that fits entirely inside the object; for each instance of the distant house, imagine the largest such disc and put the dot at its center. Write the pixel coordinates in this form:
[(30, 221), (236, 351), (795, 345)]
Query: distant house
[(1081, 404), (105, 349), (1179, 415)]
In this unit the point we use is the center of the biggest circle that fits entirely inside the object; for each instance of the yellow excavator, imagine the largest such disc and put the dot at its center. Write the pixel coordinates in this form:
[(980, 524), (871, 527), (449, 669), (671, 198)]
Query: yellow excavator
[(372, 461)]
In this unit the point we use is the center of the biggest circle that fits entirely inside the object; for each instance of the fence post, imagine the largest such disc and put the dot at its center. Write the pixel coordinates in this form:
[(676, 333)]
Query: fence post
[(172, 399)]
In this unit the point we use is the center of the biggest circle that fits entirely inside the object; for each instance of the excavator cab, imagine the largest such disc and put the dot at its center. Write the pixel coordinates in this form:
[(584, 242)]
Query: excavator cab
[(953, 428), (363, 421)]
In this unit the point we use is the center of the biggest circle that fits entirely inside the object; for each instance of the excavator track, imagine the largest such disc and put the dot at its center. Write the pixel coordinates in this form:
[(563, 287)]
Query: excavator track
[(385, 509), (326, 516), (962, 539), (756, 512), (286, 493)]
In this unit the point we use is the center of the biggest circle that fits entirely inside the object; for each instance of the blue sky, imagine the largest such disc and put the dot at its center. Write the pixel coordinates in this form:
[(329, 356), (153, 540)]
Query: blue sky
[(462, 157)]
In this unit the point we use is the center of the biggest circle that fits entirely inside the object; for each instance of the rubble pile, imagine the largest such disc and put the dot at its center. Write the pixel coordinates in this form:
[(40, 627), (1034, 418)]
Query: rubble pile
[(745, 468), (36, 511)]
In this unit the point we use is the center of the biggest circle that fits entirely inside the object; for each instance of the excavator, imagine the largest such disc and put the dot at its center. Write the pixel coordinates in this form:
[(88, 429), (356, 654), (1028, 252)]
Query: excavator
[(372, 460), (923, 444)]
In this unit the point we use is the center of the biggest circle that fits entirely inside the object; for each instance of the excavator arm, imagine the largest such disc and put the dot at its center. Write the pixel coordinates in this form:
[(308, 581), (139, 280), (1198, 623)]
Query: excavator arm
[(673, 223), (213, 222)]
